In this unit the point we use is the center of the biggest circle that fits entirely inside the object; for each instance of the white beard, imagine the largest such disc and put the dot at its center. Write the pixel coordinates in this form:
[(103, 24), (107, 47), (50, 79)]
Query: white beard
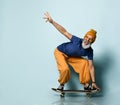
[(85, 46)]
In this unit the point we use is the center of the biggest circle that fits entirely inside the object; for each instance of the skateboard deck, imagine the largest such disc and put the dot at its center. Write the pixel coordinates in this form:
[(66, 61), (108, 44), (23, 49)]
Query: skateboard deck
[(62, 93)]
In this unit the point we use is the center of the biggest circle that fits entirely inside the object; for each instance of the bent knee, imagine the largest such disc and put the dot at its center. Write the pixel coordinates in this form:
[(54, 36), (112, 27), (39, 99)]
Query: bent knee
[(65, 69)]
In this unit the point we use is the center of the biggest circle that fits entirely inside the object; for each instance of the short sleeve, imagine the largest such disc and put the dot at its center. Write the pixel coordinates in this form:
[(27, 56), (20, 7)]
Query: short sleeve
[(75, 39), (90, 55)]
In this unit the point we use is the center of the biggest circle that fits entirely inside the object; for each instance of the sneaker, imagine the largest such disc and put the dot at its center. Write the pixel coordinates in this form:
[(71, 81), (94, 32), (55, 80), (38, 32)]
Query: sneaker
[(89, 88), (60, 87)]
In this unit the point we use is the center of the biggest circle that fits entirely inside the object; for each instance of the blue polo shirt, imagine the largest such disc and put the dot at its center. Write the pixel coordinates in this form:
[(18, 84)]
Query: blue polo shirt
[(74, 48)]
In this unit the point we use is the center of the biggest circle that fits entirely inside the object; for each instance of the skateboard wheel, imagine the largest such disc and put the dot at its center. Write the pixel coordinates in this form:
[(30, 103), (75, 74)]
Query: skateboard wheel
[(62, 94), (88, 94)]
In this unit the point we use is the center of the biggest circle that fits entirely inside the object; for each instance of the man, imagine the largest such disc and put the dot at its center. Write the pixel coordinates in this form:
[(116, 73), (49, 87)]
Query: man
[(72, 53)]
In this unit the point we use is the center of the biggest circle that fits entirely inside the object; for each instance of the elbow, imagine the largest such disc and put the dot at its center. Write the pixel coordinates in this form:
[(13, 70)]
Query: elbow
[(64, 32)]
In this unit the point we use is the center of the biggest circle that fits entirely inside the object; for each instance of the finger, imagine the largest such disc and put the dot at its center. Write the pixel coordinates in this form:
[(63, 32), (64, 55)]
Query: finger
[(98, 89), (45, 18), (47, 14), (46, 21)]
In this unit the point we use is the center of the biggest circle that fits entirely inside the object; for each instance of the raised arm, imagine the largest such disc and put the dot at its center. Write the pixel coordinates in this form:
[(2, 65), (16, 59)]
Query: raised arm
[(60, 28)]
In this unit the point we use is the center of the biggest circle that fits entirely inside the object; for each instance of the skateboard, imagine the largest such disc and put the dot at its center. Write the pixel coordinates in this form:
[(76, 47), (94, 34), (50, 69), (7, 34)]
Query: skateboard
[(88, 92)]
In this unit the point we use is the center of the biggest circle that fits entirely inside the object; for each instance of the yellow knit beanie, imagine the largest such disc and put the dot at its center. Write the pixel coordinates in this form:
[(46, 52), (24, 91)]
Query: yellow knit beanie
[(92, 33)]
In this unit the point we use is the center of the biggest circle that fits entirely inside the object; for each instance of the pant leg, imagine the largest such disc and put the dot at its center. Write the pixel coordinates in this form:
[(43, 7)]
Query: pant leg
[(81, 66), (63, 67)]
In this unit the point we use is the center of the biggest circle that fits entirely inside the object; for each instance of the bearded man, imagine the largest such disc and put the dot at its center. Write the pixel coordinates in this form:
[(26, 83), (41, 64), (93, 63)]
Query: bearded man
[(73, 53)]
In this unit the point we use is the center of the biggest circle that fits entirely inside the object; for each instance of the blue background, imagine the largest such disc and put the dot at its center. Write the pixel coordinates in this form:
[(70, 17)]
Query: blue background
[(27, 65)]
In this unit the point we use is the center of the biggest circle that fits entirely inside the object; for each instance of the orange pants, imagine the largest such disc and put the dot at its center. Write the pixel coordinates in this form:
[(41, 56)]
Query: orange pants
[(80, 66)]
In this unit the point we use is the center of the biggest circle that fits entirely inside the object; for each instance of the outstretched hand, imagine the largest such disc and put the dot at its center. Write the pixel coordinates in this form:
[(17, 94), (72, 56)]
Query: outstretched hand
[(48, 17)]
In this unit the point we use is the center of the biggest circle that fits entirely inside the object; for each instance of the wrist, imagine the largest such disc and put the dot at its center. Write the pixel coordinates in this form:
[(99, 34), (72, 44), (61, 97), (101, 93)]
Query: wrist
[(93, 82), (51, 21)]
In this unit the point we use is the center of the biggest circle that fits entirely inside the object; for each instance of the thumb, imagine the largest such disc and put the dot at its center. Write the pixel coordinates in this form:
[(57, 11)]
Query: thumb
[(46, 21)]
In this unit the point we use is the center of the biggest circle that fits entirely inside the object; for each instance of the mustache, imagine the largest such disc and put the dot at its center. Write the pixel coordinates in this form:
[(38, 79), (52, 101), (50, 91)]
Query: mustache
[(85, 46)]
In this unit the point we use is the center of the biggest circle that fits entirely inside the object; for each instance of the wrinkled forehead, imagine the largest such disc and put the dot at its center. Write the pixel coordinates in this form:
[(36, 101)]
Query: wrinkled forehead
[(89, 36)]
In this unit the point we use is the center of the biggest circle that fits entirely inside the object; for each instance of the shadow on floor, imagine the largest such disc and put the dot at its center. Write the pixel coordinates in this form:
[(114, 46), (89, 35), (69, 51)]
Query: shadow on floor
[(102, 66)]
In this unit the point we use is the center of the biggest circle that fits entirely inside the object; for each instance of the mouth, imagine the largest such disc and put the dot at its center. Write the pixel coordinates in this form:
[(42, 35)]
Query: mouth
[(86, 42)]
